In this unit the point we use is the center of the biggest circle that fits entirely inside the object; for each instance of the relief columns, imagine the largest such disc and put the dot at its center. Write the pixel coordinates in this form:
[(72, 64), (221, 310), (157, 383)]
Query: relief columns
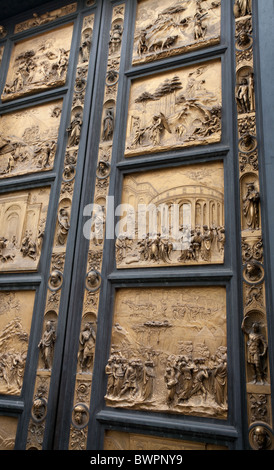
[(254, 324)]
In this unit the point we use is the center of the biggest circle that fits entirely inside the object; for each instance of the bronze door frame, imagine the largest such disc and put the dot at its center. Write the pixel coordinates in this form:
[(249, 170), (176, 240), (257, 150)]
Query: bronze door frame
[(58, 426)]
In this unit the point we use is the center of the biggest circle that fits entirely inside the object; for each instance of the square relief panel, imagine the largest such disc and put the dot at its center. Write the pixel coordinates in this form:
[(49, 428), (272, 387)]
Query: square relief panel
[(38, 63), (166, 28), (22, 220), (169, 351), (172, 217), (175, 109), (16, 312), (28, 139)]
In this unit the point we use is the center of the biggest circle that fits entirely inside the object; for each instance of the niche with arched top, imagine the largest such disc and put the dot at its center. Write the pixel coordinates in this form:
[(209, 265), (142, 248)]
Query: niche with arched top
[(250, 199)]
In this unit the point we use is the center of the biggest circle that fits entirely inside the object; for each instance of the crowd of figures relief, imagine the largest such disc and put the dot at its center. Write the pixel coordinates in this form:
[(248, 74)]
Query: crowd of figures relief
[(169, 352), (201, 245), (15, 319), (28, 140), (176, 217), (38, 63), (189, 382)]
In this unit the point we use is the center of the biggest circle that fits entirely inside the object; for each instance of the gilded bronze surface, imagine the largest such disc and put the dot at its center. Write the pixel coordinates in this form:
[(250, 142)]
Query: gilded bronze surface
[(175, 109), (167, 28), (115, 440), (254, 323), (169, 351), (93, 280), (28, 139), (45, 18), (56, 278), (22, 219), (176, 217), (1, 54), (39, 63), (8, 428), (15, 322)]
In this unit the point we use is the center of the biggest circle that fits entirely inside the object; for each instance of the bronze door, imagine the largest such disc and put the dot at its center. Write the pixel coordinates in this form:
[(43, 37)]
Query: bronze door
[(132, 264)]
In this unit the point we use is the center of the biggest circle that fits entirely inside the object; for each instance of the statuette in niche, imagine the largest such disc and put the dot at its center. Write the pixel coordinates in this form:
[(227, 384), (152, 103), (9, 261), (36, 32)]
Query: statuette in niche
[(87, 346), (46, 345), (74, 129), (251, 204), (63, 225), (86, 44), (38, 63), (167, 28), (108, 124), (257, 347), (242, 8), (116, 38), (174, 110), (245, 94)]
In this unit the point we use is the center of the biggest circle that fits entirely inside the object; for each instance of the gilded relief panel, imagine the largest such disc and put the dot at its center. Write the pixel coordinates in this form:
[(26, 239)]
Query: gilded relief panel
[(16, 312), (45, 18), (38, 63), (167, 28), (169, 351), (22, 220), (115, 440), (8, 428), (174, 217), (175, 110), (28, 139)]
